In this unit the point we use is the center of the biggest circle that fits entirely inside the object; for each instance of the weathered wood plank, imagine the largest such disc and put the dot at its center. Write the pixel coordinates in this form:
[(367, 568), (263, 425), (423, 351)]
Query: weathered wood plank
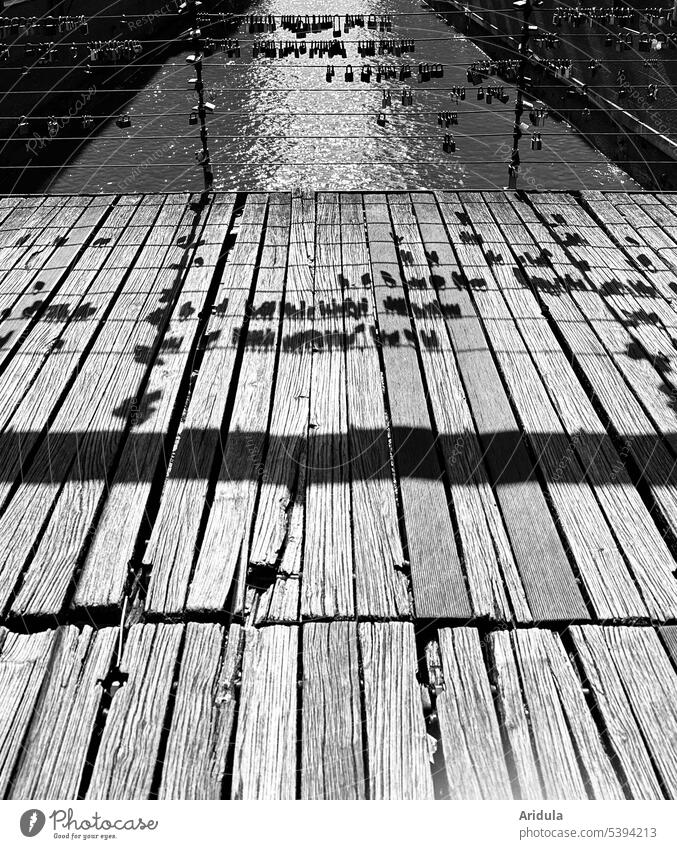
[(531, 528), (24, 660), (437, 579), (332, 748), (37, 281), (194, 765), (126, 758), (105, 568), (496, 587), (226, 540), (56, 746), (512, 714), (397, 744), (277, 540), (566, 741), (643, 548), (327, 589), (265, 743), (47, 354), (638, 665), (471, 741), (598, 345), (109, 385), (381, 587), (498, 298), (607, 689), (170, 555)]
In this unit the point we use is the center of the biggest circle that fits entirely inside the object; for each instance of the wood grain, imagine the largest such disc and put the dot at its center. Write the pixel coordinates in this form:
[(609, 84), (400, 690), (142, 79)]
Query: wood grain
[(126, 758), (55, 749), (265, 744), (397, 744), (332, 745), (170, 555), (471, 741), (194, 765)]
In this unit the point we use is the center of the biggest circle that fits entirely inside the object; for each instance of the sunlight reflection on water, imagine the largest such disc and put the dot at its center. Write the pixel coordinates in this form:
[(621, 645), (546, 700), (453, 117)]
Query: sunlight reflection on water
[(259, 139)]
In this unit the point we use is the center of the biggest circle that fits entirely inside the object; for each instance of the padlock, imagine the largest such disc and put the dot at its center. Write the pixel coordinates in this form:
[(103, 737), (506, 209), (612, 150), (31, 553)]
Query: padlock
[(503, 95), (489, 96), (24, 127), (440, 119), (365, 75), (480, 93), (330, 73), (381, 120), (449, 143), (337, 27), (192, 120), (349, 74), (371, 22), (52, 127), (386, 101), (405, 72), (424, 71), (124, 121), (407, 96), (454, 118)]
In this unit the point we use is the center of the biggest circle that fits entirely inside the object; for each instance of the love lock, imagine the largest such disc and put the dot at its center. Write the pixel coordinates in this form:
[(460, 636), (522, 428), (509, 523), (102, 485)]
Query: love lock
[(337, 27), (371, 22), (407, 96), (454, 117), (449, 143), (365, 75), (480, 93), (192, 120), (503, 95), (424, 73), (124, 121), (349, 74), (386, 99), (381, 120), (330, 73), (489, 96), (405, 72), (536, 142), (24, 127)]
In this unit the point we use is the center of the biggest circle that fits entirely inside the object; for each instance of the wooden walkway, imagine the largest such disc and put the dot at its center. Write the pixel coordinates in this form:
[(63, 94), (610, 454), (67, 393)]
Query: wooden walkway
[(338, 496)]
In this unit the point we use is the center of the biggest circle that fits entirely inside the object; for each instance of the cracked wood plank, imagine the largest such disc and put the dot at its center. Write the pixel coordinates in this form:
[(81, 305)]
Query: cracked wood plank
[(381, 587), (194, 765), (277, 540), (170, 556), (126, 758), (105, 570), (56, 746), (110, 391), (397, 743), (226, 540), (471, 741), (265, 743)]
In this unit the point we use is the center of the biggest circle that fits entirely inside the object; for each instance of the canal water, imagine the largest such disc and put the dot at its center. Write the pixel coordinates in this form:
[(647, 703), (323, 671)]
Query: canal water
[(279, 124)]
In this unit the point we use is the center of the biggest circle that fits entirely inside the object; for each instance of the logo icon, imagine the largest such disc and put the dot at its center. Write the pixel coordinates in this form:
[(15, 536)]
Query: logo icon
[(32, 822)]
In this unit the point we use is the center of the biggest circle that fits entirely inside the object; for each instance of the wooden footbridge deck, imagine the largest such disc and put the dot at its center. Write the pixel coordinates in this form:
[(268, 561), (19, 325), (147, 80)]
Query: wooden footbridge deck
[(338, 496)]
